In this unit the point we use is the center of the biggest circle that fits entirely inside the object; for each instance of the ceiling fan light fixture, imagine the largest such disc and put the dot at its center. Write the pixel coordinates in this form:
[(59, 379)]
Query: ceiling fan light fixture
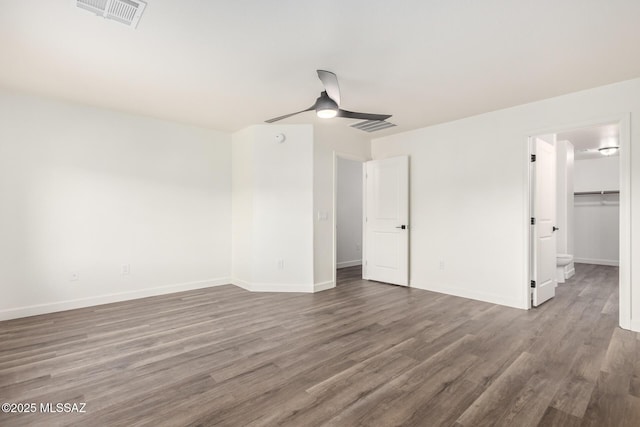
[(608, 151), (326, 108), (327, 113)]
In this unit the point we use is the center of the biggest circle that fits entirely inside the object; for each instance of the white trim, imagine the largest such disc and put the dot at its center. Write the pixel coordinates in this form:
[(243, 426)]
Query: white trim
[(34, 310), (365, 256), (611, 262), (624, 122), (272, 287), (570, 273), (352, 157), (465, 293), (241, 284), (345, 264), (527, 205), (625, 223), (319, 287)]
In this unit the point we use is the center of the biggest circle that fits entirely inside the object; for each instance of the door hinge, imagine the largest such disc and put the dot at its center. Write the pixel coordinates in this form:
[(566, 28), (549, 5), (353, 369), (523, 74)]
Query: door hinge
[(533, 157), (533, 221), (533, 284)]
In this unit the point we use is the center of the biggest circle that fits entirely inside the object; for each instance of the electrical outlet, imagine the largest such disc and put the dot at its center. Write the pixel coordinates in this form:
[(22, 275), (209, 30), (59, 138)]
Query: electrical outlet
[(441, 265), (358, 247), (280, 264), (74, 277), (126, 269)]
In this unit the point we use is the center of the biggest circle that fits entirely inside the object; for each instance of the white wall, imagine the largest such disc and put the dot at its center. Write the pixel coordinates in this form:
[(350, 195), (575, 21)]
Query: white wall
[(348, 213), (273, 208), (242, 206), (333, 137), (86, 190), (469, 204), (601, 174), (597, 218), (466, 200)]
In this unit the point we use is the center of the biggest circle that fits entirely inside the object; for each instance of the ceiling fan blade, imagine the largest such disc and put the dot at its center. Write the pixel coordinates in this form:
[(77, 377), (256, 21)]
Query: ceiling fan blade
[(330, 82), (362, 116), (289, 115)]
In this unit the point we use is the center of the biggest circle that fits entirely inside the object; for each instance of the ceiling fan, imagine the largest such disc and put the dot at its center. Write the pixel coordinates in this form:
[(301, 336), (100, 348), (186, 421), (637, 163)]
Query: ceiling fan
[(328, 103)]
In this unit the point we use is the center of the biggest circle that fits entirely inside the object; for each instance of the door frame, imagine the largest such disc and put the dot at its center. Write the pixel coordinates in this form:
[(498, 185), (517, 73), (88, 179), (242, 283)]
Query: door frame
[(347, 156), (624, 123)]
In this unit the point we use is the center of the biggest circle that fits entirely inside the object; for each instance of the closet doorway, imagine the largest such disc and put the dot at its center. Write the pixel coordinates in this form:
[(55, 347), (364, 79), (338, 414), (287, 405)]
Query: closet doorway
[(592, 215), (580, 210), (348, 217)]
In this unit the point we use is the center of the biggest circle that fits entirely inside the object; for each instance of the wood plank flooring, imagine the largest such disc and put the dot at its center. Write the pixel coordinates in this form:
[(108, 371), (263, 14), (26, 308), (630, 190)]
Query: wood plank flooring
[(363, 353)]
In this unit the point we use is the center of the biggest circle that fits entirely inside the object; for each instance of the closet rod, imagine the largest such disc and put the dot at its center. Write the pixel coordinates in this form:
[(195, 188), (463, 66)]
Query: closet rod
[(590, 193)]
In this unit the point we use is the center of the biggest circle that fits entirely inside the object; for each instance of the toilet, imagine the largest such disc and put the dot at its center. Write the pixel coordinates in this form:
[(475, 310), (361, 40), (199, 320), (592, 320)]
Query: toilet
[(565, 268)]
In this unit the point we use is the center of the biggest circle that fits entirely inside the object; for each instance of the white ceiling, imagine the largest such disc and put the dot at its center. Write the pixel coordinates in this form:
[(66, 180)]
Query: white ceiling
[(229, 64), (586, 141)]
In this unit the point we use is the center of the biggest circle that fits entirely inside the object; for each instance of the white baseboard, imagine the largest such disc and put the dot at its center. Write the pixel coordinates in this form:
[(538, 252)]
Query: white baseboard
[(568, 274), (465, 293), (273, 287), (242, 284), (323, 286), (635, 325), (34, 310), (345, 264), (611, 262)]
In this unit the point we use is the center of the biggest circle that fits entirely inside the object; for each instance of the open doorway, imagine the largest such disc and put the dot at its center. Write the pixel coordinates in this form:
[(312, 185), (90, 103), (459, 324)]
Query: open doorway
[(349, 201), (579, 212), (371, 200)]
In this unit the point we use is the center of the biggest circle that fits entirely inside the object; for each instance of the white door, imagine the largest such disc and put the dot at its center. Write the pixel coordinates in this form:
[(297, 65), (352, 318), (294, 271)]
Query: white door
[(543, 272), (386, 221)]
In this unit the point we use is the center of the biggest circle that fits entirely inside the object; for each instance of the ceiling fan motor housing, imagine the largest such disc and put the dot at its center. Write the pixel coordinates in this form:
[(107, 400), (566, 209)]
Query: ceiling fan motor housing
[(324, 102)]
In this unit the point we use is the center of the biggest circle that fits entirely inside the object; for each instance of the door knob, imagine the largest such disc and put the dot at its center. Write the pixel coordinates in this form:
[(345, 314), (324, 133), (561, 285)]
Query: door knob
[(402, 227), (555, 228)]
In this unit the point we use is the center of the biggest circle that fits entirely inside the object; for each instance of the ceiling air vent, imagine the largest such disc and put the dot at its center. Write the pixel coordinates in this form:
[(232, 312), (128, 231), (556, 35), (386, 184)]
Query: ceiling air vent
[(127, 12), (372, 125)]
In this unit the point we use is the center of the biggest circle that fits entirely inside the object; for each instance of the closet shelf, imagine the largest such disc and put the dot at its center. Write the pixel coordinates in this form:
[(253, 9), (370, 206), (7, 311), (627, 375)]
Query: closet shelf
[(593, 193)]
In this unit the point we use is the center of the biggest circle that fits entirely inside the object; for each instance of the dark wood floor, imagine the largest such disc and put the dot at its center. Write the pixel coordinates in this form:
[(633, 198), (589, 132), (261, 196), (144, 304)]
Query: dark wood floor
[(360, 354)]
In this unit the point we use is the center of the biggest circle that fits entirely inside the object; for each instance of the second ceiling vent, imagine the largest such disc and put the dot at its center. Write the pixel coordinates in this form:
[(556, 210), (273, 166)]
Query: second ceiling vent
[(127, 12), (372, 125)]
